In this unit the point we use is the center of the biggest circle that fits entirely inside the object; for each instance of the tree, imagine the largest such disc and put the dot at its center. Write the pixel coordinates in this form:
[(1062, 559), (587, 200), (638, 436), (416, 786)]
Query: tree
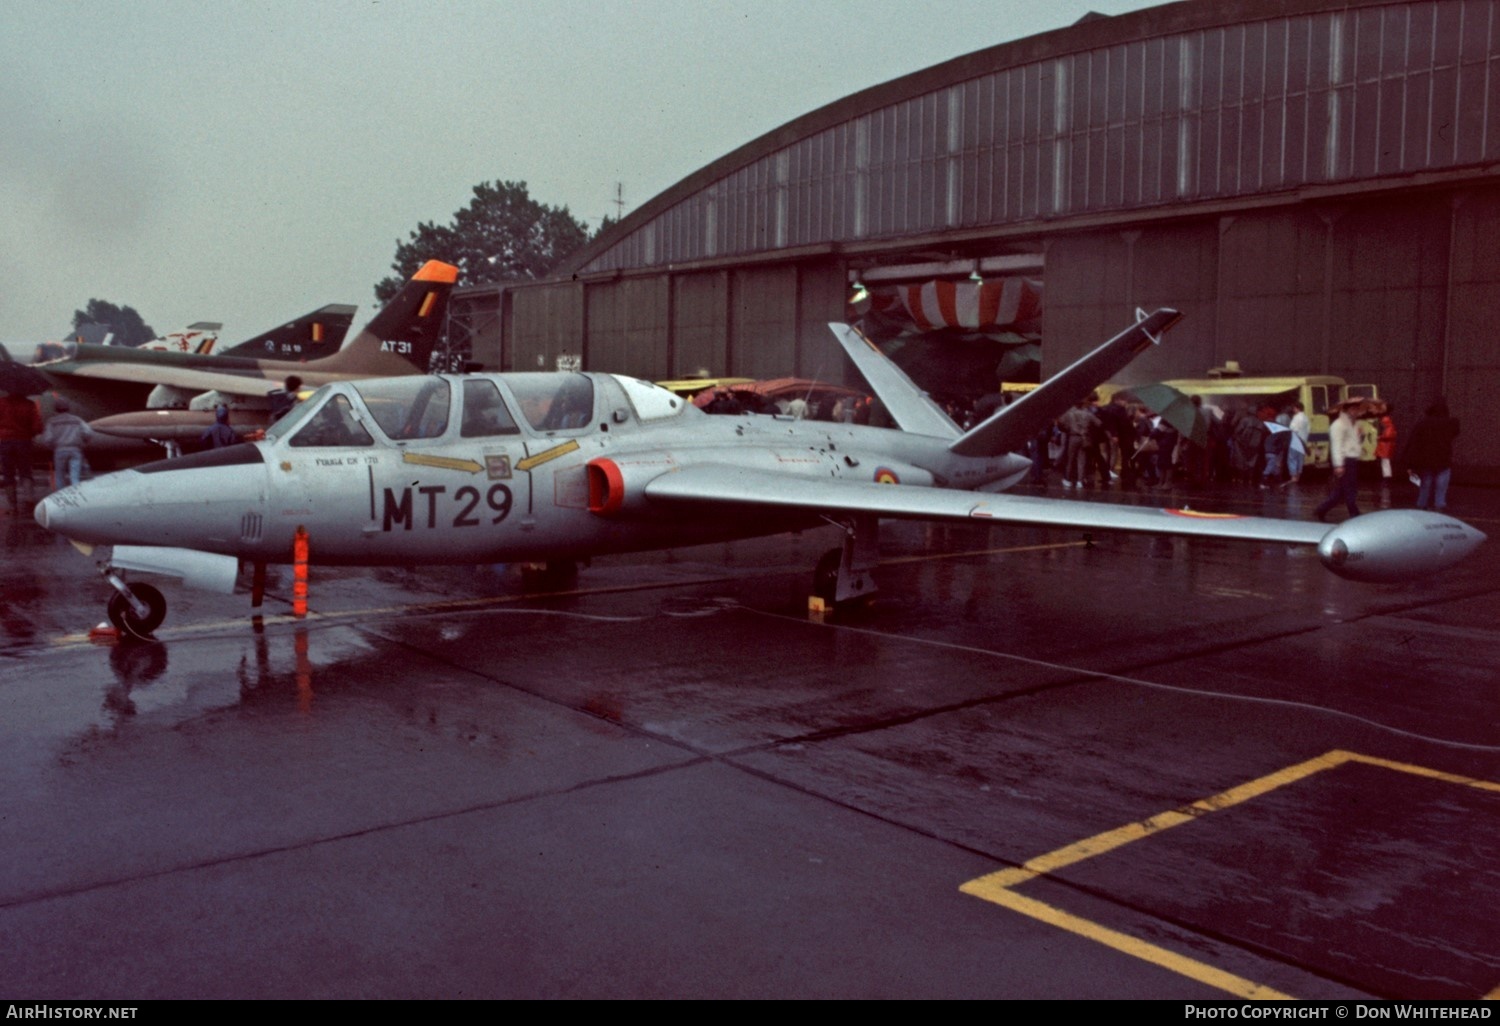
[(127, 325), (502, 235)]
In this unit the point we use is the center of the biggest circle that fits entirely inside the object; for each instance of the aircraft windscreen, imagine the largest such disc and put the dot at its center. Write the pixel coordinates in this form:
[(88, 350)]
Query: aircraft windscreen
[(651, 401), (554, 401), (333, 424), (46, 352), (485, 414), (293, 417), (407, 408)]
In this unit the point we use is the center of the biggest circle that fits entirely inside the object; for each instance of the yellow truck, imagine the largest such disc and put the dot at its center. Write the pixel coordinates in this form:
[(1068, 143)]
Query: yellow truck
[(1317, 394)]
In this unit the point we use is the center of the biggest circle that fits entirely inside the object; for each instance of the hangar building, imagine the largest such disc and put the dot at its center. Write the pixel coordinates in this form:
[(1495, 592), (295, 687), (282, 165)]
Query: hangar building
[(1316, 184)]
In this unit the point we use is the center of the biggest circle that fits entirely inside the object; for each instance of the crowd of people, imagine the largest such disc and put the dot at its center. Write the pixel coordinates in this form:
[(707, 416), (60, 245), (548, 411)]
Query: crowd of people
[(845, 409), (1255, 444)]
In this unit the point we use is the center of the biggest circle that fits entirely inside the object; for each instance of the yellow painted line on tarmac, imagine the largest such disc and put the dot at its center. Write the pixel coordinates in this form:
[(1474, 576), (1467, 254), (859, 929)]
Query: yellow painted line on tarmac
[(1189, 967), (1423, 771), (998, 887)]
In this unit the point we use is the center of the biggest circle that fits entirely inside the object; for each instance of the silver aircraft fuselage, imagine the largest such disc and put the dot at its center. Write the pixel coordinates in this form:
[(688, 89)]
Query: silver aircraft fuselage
[(460, 493)]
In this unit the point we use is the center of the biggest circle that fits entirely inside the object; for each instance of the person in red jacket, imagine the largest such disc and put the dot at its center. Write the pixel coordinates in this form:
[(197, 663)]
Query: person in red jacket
[(20, 422), (1385, 443)]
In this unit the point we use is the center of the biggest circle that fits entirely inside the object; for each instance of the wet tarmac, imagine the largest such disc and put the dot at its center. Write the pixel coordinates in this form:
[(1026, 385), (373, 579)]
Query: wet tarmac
[(1032, 768)]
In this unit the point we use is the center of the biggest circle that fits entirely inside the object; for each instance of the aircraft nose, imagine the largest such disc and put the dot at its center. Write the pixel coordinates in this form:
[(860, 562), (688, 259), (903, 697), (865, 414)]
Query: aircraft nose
[(54, 512), (82, 511), (197, 500)]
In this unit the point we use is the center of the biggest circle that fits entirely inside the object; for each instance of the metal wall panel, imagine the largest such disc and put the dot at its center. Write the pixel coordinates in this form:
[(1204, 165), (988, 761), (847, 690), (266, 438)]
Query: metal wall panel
[(700, 324), (1387, 312), (1234, 110), (1470, 374), (547, 323), (1273, 307), (823, 292), (763, 326), (627, 326)]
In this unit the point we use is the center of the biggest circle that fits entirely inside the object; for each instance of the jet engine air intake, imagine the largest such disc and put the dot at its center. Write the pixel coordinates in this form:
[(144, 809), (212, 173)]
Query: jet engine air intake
[(618, 487)]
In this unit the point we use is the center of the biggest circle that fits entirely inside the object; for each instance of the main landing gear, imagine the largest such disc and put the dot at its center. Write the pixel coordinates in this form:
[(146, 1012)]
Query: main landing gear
[(552, 575), (135, 609), (845, 576)]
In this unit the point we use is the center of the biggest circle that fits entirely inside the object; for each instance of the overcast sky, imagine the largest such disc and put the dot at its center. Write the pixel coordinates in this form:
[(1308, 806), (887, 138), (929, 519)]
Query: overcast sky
[(249, 162)]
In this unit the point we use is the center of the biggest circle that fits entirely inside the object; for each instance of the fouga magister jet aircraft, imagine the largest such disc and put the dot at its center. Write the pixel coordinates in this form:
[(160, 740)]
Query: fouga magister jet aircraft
[(492, 468)]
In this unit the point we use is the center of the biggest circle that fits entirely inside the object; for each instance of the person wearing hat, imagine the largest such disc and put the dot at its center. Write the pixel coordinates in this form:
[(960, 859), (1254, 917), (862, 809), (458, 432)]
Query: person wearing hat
[(284, 398), (220, 434), (66, 435)]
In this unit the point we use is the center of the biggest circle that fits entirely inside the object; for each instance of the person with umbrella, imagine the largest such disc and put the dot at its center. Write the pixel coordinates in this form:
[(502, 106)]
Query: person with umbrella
[(1180, 417), (1296, 455), (20, 422)]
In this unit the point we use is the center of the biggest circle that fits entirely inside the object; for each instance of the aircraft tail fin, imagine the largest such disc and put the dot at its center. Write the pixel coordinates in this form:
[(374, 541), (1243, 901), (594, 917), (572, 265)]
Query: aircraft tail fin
[(309, 337), (911, 408), (198, 337), (1011, 427), (405, 331)]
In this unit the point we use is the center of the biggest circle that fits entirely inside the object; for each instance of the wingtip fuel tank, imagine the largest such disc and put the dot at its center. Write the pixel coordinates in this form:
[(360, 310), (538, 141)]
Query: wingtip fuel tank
[(1397, 545)]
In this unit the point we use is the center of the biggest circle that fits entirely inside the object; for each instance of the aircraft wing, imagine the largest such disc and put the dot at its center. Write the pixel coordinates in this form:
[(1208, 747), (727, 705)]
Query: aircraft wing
[(722, 485), (188, 379)]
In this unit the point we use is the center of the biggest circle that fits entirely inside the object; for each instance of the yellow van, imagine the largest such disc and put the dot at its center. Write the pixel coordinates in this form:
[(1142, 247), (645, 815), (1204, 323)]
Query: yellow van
[(1317, 394)]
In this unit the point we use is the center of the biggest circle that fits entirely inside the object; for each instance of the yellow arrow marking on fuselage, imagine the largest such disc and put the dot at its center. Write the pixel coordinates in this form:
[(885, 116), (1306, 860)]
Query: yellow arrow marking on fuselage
[(444, 462), (551, 454)]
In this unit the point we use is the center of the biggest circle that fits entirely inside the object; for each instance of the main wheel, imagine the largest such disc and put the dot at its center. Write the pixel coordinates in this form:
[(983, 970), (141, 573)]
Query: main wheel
[(554, 575), (124, 618), (826, 576)]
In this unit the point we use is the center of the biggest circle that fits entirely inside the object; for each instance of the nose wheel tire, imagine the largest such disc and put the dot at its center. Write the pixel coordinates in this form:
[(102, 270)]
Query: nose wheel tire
[(124, 618)]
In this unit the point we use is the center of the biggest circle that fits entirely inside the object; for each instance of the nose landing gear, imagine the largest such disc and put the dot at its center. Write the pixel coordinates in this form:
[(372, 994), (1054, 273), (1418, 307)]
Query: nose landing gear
[(136, 609)]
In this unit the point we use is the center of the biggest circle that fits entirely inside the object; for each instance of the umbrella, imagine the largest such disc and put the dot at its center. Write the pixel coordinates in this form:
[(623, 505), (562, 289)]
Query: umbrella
[(1361, 406), (1297, 444), (20, 379), (1176, 409)]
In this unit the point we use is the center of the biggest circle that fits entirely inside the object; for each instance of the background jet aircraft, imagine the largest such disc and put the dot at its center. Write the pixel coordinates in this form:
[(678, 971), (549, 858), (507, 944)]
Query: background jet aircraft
[(550, 466), (398, 341), (199, 337), (409, 325), (98, 380)]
